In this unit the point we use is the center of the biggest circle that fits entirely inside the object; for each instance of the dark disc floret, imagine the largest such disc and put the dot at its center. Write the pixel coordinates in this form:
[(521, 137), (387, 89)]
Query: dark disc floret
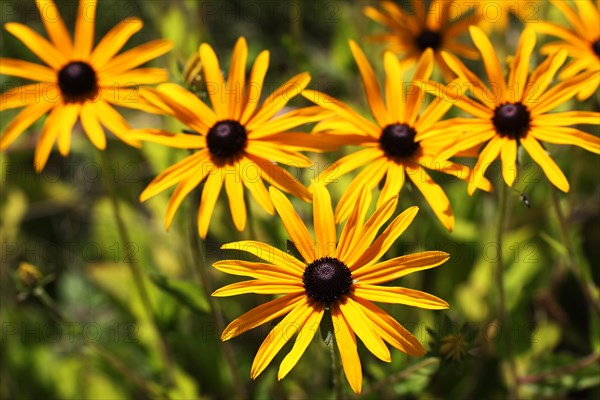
[(428, 39), (77, 82), (512, 120), (596, 47), (327, 280), (226, 139), (398, 141)]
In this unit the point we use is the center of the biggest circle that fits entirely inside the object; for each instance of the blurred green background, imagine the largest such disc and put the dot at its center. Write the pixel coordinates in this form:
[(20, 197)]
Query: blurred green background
[(61, 222)]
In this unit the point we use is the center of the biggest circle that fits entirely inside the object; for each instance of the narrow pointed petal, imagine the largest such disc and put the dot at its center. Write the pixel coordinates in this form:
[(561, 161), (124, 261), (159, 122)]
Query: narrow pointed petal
[(324, 223), (346, 343), (84, 29), (210, 194), (398, 267), (399, 295), (267, 253), (539, 155)]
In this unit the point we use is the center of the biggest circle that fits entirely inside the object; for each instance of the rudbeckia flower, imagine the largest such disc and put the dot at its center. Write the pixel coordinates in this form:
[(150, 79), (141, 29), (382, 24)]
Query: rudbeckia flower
[(514, 112), (494, 15), (336, 278), (390, 150), (418, 29), (79, 81), (582, 41), (238, 144)]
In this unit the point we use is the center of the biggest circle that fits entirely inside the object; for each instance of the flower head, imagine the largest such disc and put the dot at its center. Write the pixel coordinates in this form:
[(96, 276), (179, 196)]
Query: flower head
[(79, 81), (339, 274), (238, 143), (418, 29), (390, 148), (512, 112), (582, 41)]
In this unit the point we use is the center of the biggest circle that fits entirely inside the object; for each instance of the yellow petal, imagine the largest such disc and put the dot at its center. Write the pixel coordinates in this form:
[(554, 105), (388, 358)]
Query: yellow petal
[(47, 138), (261, 315), (490, 60), (237, 78), (188, 108), (363, 327), (261, 287), (508, 155), (37, 44), (182, 190), (112, 120), (235, 193), (278, 154), (280, 335), (371, 86), (253, 91), (68, 119), (347, 164), (27, 70), (394, 87), (23, 120), (487, 156), (433, 193), (346, 343), (563, 135), (258, 270), (293, 224), (91, 126), (390, 330), (55, 26), (386, 239), (253, 182), (353, 227), (138, 55), (210, 194), (267, 253), (398, 267), (173, 140), (394, 180), (114, 41), (539, 155), (84, 29), (399, 295), (324, 223), (520, 69), (280, 178), (303, 339)]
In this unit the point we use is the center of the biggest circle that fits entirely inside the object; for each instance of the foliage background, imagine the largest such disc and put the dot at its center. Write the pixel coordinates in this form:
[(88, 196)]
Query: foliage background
[(61, 222)]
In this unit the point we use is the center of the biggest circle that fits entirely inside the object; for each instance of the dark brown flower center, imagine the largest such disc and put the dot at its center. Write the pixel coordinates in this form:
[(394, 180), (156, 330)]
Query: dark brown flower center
[(512, 120), (398, 141), (77, 82), (226, 139), (428, 39), (596, 47), (327, 280)]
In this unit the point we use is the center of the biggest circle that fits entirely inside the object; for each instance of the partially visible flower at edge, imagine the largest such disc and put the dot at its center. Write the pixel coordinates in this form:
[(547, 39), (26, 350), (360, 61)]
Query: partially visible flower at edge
[(80, 82), (514, 112), (340, 276), (582, 41)]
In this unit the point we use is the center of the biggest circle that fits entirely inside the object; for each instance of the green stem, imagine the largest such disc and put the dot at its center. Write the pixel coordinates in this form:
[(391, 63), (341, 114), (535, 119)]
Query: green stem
[(135, 269), (588, 290), (503, 319), (204, 277), (152, 390), (336, 366)]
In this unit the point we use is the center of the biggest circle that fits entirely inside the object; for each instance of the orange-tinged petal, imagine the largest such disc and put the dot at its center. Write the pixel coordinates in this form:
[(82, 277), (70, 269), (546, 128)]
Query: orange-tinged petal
[(280, 335), (399, 295), (84, 29), (258, 270), (68, 119), (267, 253), (390, 330), (210, 194), (293, 225), (37, 44), (237, 78), (363, 327), (183, 189), (47, 138), (27, 70), (487, 156), (55, 26), (253, 91), (23, 120), (398, 267), (353, 227), (137, 56), (371, 86), (303, 339), (539, 155), (517, 78), (251, 177), (280, 178), (324, 223), (508, 155), (173, 140), (346, 343), (490, 60), (279, 154), (111, 119), (394, 180), (433, 193), (235, 193), (261, 287), (386, 239), (91, 126), (415, 96), (188, 108), (214, 81), (114, 41), (347, 164), (261, 315), (564, 135), (394, 88)]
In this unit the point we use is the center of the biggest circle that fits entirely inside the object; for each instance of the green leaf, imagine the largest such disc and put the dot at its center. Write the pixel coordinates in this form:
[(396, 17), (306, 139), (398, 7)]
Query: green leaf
[(185, 293)]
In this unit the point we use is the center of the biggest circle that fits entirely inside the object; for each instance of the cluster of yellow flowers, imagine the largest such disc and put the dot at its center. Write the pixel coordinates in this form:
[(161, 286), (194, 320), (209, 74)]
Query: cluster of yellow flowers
[(240, 142)]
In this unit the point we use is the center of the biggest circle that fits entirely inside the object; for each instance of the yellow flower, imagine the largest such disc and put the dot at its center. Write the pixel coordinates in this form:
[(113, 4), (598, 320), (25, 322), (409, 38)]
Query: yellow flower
[(389, 148), (512, 112), (494, 15), (79, 81), (419, 29), (341, 275), (582, 42), (239, 144)]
